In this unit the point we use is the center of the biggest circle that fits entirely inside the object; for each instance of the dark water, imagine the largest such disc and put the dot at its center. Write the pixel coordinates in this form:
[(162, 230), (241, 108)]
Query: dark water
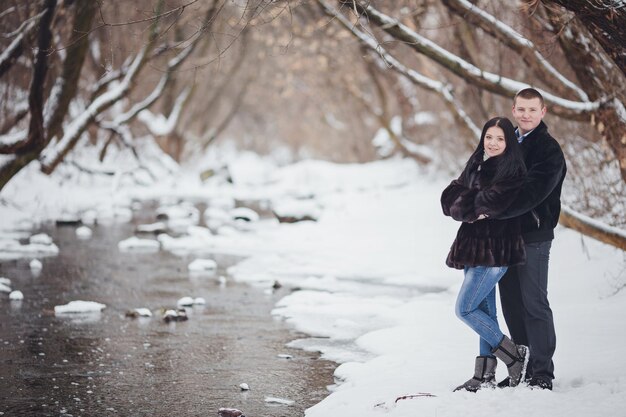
[(109, 364)]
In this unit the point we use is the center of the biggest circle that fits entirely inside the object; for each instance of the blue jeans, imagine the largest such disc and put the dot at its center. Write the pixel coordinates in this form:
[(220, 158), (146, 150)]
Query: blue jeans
[(476, 304)]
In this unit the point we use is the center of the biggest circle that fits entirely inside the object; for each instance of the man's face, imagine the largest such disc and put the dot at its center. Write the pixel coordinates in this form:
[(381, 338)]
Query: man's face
[(528, 113)]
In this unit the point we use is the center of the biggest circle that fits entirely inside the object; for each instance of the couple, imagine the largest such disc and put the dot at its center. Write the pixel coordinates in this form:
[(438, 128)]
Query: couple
[(508, 198)]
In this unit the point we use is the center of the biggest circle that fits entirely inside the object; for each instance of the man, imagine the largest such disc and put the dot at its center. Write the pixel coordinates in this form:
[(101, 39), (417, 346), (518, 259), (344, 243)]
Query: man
[(524, 288)]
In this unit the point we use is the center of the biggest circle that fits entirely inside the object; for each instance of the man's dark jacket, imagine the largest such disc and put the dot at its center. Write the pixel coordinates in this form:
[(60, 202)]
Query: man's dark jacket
[(539, 200)]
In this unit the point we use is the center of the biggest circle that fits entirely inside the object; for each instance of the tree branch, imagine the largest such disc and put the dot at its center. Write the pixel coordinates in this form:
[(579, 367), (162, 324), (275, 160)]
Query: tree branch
[(593, 228), (53, 155), (161, 126), (517, 43), (10, 55), (495, 83), (443, 90)]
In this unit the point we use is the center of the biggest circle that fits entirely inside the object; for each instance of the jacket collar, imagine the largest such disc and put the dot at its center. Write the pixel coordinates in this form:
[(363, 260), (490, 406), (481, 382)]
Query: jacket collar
[(540, 130)]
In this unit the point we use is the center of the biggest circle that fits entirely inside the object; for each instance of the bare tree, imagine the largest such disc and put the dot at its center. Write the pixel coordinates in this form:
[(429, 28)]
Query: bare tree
[(44, 128)]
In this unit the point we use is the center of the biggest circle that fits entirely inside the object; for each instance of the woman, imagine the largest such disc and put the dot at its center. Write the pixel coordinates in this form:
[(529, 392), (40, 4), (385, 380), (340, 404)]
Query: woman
[(484, 248)]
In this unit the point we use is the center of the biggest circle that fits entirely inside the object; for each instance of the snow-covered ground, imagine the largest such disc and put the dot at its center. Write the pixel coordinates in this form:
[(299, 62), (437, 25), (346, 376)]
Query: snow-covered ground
[(374, 292)]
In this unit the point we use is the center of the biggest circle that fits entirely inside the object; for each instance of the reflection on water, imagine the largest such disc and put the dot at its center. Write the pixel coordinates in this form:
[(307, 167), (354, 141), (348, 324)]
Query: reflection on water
[(107, 364)]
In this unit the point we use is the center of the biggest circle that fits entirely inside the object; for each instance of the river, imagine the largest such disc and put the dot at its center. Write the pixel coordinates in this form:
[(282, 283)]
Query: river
[(108, 364)]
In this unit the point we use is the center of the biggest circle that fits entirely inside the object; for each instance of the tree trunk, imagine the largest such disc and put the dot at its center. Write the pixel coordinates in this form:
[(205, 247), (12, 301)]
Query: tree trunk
[(78, 46), (599, 78), (35, 142), (606, 20)]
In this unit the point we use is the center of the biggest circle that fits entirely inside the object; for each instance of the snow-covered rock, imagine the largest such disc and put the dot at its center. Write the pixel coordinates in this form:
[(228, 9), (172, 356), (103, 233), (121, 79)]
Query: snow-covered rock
[(41, 239), (276, 400), (83, 232), (179, 216), (291, 211), (89, 217), (35, 265), (77, 307), (202, 265), (158, 227), (244, 213), (5, 281), (137, 244), (16, 295), (182, 211), (244, 387), (4, 288), (229, 412), (190, 301), (175, 315), (139, 312), (185, 302), (13, 249)]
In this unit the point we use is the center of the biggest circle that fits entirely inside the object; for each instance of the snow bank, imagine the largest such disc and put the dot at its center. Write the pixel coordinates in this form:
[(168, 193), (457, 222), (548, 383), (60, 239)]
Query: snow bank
[(377, 297)]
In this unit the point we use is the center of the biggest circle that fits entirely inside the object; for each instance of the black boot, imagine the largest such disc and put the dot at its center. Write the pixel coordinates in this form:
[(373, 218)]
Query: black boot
[(540, 383), (484, 374), (515, 357)]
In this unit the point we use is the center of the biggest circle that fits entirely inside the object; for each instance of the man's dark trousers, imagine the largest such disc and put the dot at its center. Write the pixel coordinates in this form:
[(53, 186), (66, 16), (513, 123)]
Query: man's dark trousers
[(526, 310)]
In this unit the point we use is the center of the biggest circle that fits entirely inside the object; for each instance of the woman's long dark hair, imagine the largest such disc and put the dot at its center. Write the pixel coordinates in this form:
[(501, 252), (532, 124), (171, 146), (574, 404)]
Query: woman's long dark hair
[(509, 164)]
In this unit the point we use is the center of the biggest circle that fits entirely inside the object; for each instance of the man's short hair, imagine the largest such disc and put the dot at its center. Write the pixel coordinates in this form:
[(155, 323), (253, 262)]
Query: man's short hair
[(528, 94)]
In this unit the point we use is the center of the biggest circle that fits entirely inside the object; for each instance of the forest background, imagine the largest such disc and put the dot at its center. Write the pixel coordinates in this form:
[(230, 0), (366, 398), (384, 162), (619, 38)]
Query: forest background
[(345, 81)]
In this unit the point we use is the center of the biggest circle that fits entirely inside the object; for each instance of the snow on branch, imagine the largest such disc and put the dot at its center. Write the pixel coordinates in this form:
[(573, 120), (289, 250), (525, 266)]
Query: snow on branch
[(514, 40), (14, 50), (620, 110), (6, 160), (593, 228), (172, 65), (443, 90), (110, 77), (54, 154), (489, 81), (158, 124), (12, 141)]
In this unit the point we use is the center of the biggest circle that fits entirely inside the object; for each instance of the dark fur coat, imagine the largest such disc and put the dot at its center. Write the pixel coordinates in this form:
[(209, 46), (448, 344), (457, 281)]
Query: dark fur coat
[(487, 242)]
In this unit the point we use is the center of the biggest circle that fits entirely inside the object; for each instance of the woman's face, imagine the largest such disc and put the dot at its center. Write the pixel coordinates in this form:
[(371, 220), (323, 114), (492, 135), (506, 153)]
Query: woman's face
[(494, 141)]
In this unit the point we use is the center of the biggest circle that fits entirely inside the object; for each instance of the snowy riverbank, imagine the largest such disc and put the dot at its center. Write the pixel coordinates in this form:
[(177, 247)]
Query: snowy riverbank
[(375, 294)]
